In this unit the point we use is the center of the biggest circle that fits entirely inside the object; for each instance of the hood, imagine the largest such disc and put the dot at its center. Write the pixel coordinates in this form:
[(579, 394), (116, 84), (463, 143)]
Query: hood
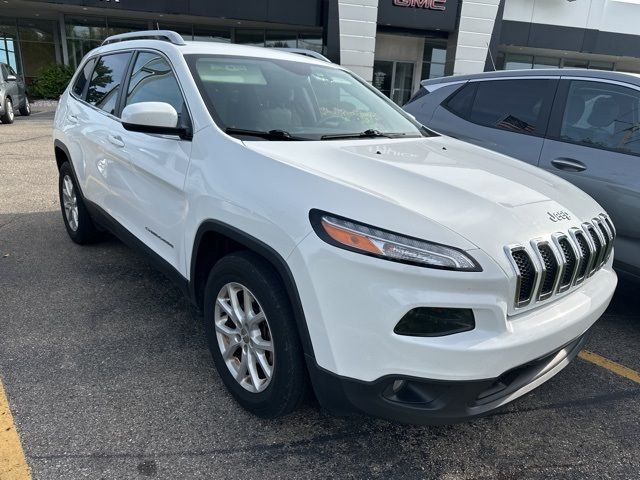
[(490, 199)]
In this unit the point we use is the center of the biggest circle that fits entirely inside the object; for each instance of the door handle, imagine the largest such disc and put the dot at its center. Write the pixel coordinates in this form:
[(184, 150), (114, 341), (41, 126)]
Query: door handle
[(568, 164), (73, 118), (116, 140)]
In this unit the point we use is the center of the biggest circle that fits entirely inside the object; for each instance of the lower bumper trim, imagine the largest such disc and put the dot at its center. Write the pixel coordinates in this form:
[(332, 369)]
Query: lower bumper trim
[(436, 402)]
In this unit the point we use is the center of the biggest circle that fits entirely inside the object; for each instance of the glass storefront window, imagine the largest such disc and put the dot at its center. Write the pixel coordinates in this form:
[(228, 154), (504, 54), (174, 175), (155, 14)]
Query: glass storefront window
[(250, 37), (116, 26), (434, 59), (184, 30), (518, 62), (86, 28), (211, 34), (311, 41), (545, 62), (394, 79), (37, 46), (281, 39), (8, 43), (575, 64), (596, 65)]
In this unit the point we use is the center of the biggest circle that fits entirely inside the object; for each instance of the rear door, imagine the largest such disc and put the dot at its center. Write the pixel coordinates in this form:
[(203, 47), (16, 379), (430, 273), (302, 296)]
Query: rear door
[(509, 115), (98, 128), (148, 179), (594, 142)]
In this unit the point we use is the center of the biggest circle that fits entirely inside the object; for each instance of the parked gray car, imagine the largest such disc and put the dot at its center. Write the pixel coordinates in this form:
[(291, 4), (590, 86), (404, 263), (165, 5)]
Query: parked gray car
[(13, 94), (582, 125)]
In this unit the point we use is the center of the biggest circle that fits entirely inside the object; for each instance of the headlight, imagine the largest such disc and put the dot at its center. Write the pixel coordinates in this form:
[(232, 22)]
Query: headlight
[(375, 242)]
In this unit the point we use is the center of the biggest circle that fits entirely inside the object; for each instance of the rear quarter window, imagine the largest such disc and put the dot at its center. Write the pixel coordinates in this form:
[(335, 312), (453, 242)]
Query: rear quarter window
[(520, 106), (83, 77)]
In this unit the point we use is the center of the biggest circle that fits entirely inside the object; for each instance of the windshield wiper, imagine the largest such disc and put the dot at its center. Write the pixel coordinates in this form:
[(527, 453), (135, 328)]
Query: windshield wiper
[(371, 133), (270, 135)]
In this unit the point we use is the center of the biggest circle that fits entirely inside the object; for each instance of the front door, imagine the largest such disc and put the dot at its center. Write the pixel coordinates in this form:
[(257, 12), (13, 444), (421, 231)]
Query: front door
[(594, 143), (152, 168)]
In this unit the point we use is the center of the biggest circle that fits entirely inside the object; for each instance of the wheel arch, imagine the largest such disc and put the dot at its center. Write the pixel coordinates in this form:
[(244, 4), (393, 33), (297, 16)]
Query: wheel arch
[(215, 239)]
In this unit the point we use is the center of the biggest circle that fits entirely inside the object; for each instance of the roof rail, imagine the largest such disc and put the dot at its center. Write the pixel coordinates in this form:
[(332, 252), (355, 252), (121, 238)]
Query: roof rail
[(164, 35), (306, 53)]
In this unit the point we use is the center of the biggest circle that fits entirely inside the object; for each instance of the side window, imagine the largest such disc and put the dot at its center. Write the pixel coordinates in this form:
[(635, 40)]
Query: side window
[(83, 77), (520, 106), (152, 80), (602, 115), (4, 72), (12, 71), (106, 81), (460, 102)]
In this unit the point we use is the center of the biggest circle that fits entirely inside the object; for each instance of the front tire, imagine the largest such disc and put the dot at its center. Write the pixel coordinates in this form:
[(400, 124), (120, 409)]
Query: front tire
[(77, 220), (253, 337), (9, 114), (25, 109)]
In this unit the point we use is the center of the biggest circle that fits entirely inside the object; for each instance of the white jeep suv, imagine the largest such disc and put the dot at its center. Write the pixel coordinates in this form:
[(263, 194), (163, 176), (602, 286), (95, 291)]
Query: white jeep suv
[(329, 240)]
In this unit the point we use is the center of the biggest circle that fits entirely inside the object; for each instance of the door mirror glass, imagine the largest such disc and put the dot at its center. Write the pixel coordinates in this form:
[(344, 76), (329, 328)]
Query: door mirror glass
[(152, 117)]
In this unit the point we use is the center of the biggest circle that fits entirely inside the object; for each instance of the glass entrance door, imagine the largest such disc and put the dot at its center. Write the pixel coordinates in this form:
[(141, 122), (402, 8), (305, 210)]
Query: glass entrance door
[(394, 79)]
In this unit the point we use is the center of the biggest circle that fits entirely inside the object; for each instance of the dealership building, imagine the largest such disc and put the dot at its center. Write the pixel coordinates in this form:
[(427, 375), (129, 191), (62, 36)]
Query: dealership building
[(392, 43)]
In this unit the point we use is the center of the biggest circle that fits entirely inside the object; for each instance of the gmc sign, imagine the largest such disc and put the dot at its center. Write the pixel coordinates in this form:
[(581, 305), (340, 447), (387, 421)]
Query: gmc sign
[(428, 4)]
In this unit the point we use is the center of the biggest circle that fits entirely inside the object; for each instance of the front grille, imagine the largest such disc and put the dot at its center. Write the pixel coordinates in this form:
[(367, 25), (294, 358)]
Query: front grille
[(550, 270), (561, 262)]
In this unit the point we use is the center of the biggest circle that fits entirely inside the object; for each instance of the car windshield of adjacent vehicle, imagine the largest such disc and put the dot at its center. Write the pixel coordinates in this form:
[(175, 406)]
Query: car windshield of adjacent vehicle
[(256, 98)]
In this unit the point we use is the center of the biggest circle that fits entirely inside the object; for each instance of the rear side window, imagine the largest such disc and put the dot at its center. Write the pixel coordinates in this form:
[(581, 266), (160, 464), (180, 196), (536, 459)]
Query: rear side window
[(152, 80), (106, 81), (520, 106), (462, 101), (83, 77), (602, 115)]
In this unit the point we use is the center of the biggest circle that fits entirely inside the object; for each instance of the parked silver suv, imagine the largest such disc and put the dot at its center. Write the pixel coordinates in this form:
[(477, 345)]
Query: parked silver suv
[(13, 94), (582, 125)]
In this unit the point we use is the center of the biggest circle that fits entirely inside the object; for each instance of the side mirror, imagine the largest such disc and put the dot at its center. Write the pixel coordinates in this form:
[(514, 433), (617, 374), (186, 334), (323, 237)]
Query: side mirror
[(153, 117), (11, 78)]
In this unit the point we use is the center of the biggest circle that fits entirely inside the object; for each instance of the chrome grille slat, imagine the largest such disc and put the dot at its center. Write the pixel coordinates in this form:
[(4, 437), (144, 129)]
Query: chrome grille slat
[(595, 236), (553, 265)]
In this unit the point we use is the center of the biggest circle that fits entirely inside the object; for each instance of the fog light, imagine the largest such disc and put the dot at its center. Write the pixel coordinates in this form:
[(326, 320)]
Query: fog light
[(435, 322)]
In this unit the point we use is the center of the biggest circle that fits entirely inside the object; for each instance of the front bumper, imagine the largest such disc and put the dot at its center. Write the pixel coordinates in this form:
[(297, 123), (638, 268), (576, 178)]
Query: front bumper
[(432, 402), (353, 302)]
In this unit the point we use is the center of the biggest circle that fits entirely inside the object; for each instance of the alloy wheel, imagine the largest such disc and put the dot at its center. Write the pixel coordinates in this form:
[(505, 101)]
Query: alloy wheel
[(70, 202), (10, 112), (244, 337)]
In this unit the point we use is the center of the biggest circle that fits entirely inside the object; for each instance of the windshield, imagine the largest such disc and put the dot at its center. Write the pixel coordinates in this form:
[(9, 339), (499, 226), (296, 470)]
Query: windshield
[(284, 99)]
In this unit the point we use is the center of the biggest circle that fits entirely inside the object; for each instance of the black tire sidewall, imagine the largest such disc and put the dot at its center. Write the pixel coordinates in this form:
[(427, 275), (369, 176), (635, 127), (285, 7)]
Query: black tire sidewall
[(25, 109), (8, 109), (86, 231), (288, 384)]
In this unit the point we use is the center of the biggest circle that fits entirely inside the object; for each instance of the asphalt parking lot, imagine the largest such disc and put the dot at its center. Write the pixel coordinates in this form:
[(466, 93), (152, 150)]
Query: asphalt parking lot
[(108, 375)]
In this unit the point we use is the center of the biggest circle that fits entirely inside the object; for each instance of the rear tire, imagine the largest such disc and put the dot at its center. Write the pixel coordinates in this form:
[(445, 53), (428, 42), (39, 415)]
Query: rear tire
[(77, 220), (262, 365), (25, 109), (9, 114)]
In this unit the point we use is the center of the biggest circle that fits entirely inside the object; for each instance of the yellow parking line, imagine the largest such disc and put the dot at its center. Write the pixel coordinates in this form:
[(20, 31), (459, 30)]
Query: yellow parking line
[(610, 365), (13, 464)]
